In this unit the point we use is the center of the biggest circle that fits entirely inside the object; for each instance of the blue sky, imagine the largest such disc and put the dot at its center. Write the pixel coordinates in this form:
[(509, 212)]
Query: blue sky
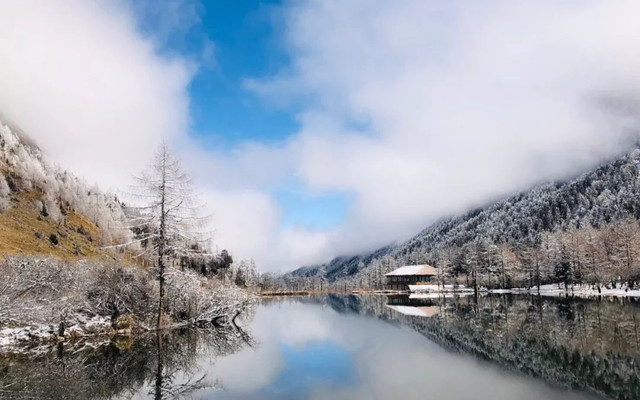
[(245, 46), (233, 41), (363, 122)]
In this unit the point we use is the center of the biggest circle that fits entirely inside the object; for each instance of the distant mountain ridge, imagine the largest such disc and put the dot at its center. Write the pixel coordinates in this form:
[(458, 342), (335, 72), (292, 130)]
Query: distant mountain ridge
[(344, 265), (600, 196)]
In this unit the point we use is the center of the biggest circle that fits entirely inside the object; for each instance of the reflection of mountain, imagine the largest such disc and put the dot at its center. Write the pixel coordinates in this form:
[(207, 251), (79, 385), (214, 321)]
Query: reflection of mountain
[(578, 343), (344, 304)]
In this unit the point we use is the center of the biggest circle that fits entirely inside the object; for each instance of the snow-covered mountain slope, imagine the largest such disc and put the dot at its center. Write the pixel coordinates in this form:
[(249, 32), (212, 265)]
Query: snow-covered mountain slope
[(598, 197), (45, 209)]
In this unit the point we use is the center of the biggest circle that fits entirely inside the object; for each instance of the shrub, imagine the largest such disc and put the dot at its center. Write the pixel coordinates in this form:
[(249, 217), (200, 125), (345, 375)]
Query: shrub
[(44, 291)]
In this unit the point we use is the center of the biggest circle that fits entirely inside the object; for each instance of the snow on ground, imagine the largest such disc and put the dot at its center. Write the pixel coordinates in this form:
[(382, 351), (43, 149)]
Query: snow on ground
[(436, 295), (545, 290), (15, 339), (580, 291), (437, 289)]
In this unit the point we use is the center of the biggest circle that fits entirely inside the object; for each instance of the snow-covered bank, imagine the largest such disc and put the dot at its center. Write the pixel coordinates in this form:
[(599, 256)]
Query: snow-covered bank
[(545, 290), (438, 288), (579, 291), (46, 301), (93, 329), (440, 295)]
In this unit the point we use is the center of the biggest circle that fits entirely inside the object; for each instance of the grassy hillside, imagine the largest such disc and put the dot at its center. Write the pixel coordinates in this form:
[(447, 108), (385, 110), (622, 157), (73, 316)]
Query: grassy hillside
[(23, 230), (45, 210)]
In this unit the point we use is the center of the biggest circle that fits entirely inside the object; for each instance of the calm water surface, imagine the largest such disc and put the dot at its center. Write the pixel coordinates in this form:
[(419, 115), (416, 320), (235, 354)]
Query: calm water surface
[(362, 347)]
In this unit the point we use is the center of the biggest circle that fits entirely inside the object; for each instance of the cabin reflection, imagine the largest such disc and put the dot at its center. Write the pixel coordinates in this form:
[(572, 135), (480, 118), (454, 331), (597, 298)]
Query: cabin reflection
[(415, 307)]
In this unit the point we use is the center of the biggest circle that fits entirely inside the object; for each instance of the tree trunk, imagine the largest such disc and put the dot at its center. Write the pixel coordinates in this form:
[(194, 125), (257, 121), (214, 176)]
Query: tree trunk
[(161, 294), (159, 368), (161, 245)]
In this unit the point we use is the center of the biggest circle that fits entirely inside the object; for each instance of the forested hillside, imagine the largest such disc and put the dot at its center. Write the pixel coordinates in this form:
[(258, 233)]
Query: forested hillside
[(342, 266), (596, 198), (509, 229)]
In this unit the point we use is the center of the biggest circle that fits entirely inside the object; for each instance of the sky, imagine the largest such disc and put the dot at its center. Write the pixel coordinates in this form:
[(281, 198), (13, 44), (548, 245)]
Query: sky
[(317, 128)]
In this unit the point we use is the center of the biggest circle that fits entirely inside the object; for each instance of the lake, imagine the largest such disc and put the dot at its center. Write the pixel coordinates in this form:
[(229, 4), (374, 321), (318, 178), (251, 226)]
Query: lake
[(360, 347)]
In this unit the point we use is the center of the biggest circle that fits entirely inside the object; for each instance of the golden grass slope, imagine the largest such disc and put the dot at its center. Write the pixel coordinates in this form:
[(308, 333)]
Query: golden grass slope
[(23, 231)]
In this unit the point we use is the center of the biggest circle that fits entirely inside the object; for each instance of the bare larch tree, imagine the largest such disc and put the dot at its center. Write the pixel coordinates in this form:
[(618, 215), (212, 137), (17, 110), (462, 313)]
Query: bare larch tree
[(168, 221)]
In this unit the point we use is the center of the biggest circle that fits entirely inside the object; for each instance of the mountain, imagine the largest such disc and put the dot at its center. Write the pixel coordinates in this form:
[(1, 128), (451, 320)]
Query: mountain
[(603, 195), (342, 266), (47, 210)]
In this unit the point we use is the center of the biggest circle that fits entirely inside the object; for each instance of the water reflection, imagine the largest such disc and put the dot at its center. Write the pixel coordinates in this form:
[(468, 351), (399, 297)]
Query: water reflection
[(590, 344), (363, 347), (422, 306), (162, 366)]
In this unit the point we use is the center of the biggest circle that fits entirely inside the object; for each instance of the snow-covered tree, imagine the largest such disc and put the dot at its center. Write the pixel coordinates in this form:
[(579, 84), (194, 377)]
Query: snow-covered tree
[(626, 255), (169, 213), (5, 191), (24, 168)]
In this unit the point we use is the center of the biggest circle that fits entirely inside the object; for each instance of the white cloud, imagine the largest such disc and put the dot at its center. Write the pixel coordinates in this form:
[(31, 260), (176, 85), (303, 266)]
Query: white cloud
[(248, 223), (244, 221), (417, 109), (426, 108), (80, 79)]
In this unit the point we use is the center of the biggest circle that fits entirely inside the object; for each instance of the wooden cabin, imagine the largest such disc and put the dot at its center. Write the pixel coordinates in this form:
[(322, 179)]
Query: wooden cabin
[(401, 278)]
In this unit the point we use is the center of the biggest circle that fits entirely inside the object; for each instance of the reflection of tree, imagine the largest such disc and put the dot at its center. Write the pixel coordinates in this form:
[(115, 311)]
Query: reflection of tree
[(166, 389), (579, 343), (168, 364), (165, 386), (176, 375)]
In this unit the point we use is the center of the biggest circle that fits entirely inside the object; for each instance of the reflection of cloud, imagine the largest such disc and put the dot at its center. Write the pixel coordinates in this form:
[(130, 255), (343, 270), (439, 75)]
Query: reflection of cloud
[(400, 363), (302, 324), (249, 369), (309, 343), (317, 364)]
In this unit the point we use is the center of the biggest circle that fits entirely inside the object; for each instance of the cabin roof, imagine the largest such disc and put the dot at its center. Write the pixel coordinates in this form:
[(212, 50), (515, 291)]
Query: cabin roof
[(423, 269)]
